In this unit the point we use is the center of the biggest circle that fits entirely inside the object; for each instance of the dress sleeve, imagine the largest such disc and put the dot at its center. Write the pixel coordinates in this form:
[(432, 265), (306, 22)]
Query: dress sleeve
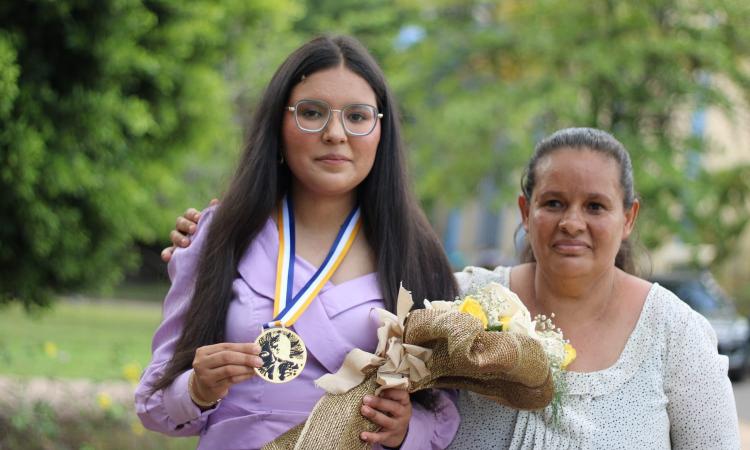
[(433, 430), (170, 410), (701, 406)]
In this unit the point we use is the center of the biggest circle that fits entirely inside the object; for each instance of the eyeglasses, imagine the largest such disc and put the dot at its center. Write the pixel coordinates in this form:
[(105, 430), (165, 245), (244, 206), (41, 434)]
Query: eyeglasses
[(312, 116)]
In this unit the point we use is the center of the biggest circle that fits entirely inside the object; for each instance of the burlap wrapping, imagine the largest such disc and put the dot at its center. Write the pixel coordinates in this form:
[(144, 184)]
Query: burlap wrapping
[(510, 368)]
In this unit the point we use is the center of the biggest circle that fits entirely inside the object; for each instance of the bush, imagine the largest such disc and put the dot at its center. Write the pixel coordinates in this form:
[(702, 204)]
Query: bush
[(40, 427)]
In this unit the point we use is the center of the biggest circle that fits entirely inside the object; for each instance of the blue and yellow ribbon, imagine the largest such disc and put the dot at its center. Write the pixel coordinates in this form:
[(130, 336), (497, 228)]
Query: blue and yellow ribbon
[(287, 308)]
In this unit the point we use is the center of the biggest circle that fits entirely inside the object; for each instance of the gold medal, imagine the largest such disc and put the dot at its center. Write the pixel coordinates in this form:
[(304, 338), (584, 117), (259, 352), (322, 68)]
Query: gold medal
[(283, 354)]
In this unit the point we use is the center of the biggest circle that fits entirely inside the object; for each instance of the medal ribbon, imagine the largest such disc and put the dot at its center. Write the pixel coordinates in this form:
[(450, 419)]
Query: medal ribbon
[(287, 308)]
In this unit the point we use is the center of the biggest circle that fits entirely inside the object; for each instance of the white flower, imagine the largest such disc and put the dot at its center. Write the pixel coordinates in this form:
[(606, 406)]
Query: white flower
[(521, 323), (499, 301), (554, 346), (505, 301), (440, 305)]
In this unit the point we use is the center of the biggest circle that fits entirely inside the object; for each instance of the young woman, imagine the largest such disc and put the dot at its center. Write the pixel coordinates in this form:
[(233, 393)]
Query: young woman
[(322, 181)]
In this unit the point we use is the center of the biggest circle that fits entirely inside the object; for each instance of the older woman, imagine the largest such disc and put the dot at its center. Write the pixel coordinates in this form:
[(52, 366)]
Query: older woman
[(647, 374)]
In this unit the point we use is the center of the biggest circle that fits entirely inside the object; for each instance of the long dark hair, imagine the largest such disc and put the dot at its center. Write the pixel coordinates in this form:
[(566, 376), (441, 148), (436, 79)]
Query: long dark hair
[(405, 245), (584, 139)]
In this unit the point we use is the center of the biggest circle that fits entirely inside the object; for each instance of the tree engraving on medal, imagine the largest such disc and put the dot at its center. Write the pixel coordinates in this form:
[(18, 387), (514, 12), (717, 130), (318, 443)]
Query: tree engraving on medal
[(283, 355)]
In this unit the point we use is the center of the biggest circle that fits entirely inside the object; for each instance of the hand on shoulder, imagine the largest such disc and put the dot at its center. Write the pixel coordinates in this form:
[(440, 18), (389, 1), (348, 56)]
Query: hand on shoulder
[(185, 226)]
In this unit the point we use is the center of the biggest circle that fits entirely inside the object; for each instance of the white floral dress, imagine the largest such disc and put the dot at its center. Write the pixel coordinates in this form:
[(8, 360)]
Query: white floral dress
[(668, 389)]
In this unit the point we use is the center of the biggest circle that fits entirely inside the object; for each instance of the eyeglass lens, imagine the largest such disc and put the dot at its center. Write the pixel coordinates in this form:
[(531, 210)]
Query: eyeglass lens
[(313, 116)]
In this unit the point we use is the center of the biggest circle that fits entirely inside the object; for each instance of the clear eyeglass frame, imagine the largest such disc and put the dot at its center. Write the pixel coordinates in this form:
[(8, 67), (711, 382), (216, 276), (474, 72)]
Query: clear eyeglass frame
[(295, 108)]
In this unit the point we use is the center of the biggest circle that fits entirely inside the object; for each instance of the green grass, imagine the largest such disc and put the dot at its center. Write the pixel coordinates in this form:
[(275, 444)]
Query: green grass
[(97, 340), (153, 291), (78, 339)]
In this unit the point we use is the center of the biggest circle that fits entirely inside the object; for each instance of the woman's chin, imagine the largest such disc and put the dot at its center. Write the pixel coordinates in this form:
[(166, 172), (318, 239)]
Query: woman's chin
[(570, 265), (331, 185)]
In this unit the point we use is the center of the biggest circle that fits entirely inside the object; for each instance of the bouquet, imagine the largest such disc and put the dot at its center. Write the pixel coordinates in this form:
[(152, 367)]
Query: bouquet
[(486, 343), (499, 309)]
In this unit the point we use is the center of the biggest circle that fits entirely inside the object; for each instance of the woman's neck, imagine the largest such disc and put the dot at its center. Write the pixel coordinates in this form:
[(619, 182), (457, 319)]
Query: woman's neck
[(317, 222), (321, 212), (581, 299)]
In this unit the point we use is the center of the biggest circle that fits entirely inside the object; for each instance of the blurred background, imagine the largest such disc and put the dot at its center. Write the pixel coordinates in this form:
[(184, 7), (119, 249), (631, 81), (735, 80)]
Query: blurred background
[(117, 115)]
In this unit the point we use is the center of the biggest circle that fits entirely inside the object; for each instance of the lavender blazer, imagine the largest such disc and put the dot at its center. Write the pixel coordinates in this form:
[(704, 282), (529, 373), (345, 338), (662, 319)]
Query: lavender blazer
[(255, 412)]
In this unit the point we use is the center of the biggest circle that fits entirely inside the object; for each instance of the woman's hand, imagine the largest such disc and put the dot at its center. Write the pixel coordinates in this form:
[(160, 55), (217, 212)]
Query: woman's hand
[(391, 412), (217, 367), (184, 226)]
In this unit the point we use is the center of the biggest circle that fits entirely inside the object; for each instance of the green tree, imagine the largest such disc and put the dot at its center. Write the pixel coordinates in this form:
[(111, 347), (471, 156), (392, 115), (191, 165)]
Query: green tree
[(100, 102), (374, 22), (490, 78)]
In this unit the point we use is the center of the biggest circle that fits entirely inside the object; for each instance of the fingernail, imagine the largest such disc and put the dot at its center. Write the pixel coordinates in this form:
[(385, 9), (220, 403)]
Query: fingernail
[(367, 400), (192, 228), (184, 242)]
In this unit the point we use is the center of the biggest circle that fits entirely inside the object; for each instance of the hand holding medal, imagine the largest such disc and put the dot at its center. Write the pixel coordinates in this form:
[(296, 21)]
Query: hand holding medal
[(217, 367)]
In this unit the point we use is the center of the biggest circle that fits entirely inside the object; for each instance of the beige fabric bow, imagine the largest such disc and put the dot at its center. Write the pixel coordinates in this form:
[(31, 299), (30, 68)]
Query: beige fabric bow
[(397, 363)]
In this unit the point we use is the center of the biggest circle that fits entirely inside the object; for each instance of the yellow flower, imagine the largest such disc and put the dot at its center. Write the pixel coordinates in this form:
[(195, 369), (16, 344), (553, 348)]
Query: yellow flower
[(50, 349), (132, 372), (570, 355), (471, 306), (104, 400), (505, 322)]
